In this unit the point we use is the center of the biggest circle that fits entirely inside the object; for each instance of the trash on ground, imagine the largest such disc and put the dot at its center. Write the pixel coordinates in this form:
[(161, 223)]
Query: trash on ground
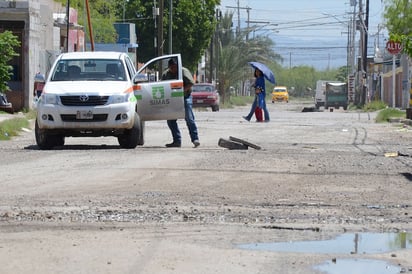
[(236, 143)]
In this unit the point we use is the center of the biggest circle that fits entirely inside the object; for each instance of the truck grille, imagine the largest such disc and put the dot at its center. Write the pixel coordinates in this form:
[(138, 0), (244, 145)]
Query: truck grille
[(82, 100)]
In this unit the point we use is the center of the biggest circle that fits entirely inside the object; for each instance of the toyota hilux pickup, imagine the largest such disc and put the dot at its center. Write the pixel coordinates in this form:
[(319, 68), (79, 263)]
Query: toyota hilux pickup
[(91, 94)]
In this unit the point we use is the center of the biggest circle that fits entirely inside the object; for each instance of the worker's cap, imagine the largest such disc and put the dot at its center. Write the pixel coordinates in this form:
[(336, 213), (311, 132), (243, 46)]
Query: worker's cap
[(172, 61)]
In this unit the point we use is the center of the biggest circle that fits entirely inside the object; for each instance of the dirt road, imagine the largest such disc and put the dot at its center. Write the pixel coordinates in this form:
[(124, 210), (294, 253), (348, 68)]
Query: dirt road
[(90, 207)]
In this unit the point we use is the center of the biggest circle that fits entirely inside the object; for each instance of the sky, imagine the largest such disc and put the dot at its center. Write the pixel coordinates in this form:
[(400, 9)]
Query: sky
[(308, 32)]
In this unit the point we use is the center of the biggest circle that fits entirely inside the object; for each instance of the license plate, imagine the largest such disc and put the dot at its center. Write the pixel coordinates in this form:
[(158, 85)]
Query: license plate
[(199, 101), (84, 115)]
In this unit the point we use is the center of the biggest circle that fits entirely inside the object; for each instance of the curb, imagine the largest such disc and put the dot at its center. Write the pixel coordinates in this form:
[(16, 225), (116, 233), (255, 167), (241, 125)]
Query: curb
[(400, 120)]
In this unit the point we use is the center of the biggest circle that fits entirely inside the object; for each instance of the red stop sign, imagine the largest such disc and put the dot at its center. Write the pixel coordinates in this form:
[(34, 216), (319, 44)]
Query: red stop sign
[(393, 47)]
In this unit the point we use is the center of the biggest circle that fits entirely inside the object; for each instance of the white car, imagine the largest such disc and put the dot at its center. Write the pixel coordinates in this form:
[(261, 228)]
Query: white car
[(90, 94)]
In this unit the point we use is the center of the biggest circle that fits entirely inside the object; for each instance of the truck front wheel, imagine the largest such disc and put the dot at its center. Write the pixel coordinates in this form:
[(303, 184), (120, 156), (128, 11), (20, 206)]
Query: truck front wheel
[(45, 140), (130, 137)]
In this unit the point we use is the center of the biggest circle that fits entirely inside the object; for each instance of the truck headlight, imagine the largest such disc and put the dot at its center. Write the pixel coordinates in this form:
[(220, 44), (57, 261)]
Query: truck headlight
[(49, 98), (121, 98)]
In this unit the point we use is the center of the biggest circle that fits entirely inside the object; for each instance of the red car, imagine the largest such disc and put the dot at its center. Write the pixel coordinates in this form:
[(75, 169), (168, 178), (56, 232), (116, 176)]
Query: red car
[(205, 95)]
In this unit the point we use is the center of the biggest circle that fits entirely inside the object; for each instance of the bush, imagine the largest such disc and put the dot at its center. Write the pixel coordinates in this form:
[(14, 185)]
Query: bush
[(241, 100), (385, 114), (12, 127), (7, 44), (374, 106)]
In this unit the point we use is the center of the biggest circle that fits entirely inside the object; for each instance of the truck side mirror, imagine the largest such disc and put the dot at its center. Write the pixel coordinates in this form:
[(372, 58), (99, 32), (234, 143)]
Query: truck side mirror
[(141, 78)]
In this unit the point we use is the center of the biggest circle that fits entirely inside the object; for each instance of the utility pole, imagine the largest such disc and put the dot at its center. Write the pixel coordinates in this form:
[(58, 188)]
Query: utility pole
[(351, 54), (89, 22), (67, 24), (170, 26), (160, 29), (238, 16), (155, 15), (212, 58), (365, 54), (362, 59), (352, 44)]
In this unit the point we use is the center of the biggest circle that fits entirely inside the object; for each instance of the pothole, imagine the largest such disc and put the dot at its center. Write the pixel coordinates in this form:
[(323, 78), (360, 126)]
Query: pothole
[(347, 243)]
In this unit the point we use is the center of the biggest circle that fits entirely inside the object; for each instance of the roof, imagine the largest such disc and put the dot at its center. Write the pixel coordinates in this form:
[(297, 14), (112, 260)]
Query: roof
[(92, 54), (336, 84)]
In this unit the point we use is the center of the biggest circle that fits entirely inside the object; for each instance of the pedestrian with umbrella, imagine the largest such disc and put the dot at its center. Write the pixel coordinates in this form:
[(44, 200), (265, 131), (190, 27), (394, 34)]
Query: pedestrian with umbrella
[(261, 72)]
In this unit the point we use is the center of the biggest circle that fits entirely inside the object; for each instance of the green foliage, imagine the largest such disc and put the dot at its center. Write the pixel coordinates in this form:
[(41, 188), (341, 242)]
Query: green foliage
[(398, 15), (7, 44), (388, 113), (297, 79), (193, 25), (374, 106), (235, 53), (342, 74), (241, 100), (102, 14), (10, 128), (301, 80)]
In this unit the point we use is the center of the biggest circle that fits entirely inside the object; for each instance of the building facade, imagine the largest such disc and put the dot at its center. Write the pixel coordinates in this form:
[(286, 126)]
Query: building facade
[(42, 37)]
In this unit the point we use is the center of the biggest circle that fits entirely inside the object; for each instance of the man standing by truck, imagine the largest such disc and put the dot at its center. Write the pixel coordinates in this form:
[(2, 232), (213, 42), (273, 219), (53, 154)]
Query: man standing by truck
[(188, 82)]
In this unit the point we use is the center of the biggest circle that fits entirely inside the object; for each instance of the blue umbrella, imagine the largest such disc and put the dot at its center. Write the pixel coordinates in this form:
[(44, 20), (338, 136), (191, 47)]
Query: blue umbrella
[(265, 70)]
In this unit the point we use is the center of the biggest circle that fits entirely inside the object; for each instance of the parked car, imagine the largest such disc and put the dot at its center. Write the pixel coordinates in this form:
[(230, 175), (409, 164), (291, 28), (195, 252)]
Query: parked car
[(91, 94), (5, 105), (280, 93), (205, 95)]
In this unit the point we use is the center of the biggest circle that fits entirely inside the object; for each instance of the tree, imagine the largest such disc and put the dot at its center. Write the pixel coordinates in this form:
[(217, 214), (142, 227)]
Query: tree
[(398, 15), (102, 14), (8, 42), (192, 28), (193, 24), (236, 52)]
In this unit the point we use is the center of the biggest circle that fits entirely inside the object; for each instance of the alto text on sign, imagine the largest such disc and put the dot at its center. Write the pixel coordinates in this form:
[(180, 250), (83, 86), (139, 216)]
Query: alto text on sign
[(393, 47)]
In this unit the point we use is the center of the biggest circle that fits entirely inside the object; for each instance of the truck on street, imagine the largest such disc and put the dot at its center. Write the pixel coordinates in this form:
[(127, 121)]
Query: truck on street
[(320, 93), (336, 95)]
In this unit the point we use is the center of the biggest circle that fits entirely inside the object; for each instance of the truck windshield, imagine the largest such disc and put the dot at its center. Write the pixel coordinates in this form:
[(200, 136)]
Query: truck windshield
[(89, 70)]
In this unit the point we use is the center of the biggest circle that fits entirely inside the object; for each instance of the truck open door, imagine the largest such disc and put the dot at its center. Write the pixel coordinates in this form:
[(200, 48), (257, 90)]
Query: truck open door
[(159, 99)]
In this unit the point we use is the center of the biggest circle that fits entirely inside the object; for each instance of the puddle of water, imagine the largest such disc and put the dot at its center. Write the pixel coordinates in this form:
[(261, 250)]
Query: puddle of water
[(354, 266), (348, 243)]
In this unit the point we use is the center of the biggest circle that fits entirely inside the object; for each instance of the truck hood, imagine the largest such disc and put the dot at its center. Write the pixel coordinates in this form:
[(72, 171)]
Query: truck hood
[(88, 87)]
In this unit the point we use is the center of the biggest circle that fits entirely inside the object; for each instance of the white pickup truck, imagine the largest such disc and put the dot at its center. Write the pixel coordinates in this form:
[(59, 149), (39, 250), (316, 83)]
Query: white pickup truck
[(90, 94)]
